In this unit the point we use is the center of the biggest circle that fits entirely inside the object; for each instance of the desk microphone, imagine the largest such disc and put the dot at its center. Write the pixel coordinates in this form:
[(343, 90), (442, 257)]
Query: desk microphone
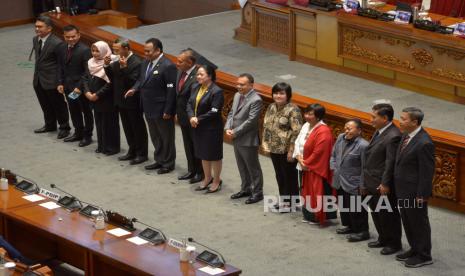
[(151, 234), (208, 257), (69, 202), (27, 185)]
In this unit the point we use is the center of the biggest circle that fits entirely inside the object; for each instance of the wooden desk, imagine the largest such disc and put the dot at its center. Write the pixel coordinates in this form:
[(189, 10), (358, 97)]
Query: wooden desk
[(41, 234), (391, 53)]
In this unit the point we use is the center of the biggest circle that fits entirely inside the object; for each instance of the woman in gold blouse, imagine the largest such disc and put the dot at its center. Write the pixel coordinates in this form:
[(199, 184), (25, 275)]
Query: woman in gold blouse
[(282, 124), (204, 110)]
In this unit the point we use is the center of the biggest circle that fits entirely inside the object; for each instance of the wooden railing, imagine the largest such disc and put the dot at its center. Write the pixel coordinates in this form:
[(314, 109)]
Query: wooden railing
[(449, 179)]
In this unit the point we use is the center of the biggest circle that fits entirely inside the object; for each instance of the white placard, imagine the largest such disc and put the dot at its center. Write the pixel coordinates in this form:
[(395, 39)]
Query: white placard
[(211, 270), (33, 198), (49, 194), (118, 232), (50, 205), (137, 241), (175, 243)]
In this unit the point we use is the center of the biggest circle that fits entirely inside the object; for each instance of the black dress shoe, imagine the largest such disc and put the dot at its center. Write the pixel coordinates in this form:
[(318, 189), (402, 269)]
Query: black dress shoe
[(186, 176), (254, 199), (344, 230), (153, 166), (240, 194), (97, 150), (197, 178), (375, 244), (62, 134), (402, 257), (388, 250), (209, 191), (164, 170), (73, 138), (44, 129), (85, 142), (417, 261), (200, 188), (111, 152), (126, 157), (138, 160), (358, 237)]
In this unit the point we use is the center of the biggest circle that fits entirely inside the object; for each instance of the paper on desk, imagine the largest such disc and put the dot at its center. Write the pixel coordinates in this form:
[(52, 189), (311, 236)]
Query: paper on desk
[(33, 198), (211, 270), (137, 241), (50, 205), (118, 232)]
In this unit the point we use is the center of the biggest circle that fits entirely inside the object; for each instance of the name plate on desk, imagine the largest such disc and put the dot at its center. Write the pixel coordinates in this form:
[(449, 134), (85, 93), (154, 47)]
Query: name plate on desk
[(49, 194), (176, 244)]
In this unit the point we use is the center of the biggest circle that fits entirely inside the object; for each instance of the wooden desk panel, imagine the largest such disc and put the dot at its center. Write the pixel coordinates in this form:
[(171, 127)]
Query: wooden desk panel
[(140, 260)]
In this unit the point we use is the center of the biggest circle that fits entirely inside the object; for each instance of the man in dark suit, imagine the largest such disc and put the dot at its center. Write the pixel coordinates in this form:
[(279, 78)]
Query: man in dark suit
[(46, 74), (413, 179), (242, 127), (378, 178), (74, 56), (123, 75), (156, 85), (187, 70)]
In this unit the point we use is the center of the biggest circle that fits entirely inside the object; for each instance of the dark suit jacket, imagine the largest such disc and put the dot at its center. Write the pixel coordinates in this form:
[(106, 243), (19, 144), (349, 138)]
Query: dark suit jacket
[(73, 70), (46, 70), (124, 79), (209, 108), (414, 167), (379, 158), (183, 96), (102, 89), (158, 91)]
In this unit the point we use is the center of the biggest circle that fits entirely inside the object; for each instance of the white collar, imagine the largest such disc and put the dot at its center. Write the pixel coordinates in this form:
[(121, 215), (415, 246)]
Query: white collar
[(384, 128), (44, 39), (188, 72), (157, 60), (415, 132)]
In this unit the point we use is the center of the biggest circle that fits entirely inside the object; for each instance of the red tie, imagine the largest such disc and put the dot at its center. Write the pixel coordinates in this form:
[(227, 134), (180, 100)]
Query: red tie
[(68, 54), (182, 80)]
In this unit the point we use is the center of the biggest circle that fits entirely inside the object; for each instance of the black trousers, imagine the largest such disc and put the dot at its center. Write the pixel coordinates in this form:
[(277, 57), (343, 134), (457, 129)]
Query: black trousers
[(417, 228), (81, 115), (387, 223), (108, 136), (357, 220), (53, 106), (162, 136), (286, 175), (194, 164), (135, 131)]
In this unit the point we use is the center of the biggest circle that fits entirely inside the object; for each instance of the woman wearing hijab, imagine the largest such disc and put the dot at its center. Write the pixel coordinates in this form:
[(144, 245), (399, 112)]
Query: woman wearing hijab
[(98, 90)]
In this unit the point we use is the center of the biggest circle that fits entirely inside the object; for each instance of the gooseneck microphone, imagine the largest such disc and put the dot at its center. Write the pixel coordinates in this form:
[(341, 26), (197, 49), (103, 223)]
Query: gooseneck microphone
[(151, 234), (208, 259), (69, 202), (27, 187)]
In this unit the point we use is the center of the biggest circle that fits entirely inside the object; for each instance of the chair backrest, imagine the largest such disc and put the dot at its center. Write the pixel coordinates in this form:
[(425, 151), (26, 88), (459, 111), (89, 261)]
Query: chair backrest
[(454, 8)]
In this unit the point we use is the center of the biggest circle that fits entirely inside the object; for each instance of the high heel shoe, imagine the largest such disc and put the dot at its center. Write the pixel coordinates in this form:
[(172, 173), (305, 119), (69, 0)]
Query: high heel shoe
[(216, 190), (202, 188)]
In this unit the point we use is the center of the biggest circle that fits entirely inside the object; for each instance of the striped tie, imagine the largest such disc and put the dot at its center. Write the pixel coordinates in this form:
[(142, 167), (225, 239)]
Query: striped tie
[(404, 143)]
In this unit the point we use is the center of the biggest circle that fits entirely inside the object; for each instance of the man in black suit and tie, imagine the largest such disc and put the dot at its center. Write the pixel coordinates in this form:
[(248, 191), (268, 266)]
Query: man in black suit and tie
[(413, 179), (74, 56), (46, 74), (123, 75), (187, 70), (156, 85), (378, 180)]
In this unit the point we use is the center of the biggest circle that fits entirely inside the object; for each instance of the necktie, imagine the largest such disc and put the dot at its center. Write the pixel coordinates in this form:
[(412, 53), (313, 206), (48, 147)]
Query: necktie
[(404, 143), (39, 50), (68, 54), (182, 80), (149, 69), (241, 101)]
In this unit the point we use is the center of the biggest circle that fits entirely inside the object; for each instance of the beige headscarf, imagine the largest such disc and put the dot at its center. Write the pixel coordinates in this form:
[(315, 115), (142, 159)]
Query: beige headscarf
[(96, 64)]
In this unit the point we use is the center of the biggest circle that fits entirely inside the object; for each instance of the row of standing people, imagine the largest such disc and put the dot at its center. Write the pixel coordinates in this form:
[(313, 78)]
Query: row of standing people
[(160, 90)]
